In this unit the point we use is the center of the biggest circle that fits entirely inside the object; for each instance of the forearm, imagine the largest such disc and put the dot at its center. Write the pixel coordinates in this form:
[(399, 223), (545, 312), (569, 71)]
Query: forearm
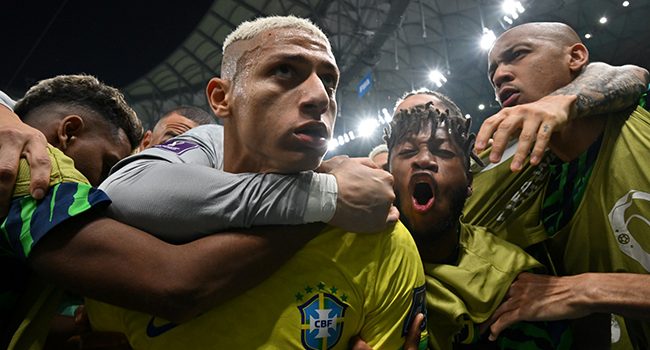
[(601, 88), (624, 294), (105, 260), (183, 202)]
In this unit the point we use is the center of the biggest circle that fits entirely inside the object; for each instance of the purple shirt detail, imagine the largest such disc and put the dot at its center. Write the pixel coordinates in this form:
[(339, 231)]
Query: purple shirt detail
[(178, 147)]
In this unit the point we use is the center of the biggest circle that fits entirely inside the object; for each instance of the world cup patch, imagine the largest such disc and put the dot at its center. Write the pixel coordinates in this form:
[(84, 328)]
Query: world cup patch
[(177, 146), (322, 318)]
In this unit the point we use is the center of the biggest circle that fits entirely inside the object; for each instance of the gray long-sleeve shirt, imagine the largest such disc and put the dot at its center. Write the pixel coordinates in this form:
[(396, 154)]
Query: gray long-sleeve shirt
[(178, 192)]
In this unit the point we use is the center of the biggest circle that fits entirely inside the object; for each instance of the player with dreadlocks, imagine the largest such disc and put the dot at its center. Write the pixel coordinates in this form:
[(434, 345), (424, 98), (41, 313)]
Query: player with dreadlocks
[(468, 269)]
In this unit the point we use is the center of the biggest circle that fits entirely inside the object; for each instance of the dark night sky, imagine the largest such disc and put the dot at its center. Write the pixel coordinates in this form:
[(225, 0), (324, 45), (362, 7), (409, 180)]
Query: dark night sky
[(118, 41)]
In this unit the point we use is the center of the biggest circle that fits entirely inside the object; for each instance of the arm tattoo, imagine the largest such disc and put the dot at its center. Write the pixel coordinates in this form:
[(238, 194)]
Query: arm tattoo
[(601, 88)]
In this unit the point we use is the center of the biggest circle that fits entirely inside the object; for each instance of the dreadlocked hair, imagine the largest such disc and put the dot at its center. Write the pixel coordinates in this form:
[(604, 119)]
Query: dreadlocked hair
[(411, 122)]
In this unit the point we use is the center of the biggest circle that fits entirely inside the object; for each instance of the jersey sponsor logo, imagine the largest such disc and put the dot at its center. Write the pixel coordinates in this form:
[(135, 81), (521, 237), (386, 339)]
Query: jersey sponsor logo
[(418, 306), (177, 146), (621, 219), (322, 319), (154, 331)]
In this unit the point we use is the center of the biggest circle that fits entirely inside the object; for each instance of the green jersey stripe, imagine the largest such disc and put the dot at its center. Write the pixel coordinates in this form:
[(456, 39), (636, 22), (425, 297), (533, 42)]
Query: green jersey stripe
[(28, 206), (81, 203)]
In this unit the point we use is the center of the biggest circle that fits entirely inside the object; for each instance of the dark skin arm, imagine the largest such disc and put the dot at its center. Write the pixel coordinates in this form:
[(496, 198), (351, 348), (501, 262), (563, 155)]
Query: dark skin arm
[(599, 89), (106, 260), (543, 298)]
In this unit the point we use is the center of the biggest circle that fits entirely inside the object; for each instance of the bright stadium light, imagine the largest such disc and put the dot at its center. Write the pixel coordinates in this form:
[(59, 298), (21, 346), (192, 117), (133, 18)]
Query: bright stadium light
[(603, 20), (587, 36), (332, 144), (351, 133), (487, 39), (626, 3), (507, 19), (438, 78), (341, 140), (366, 127), (481, 106)]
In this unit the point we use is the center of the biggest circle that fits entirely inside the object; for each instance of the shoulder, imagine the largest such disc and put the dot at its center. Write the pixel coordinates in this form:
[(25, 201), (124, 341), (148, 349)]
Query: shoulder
[(63, 170)]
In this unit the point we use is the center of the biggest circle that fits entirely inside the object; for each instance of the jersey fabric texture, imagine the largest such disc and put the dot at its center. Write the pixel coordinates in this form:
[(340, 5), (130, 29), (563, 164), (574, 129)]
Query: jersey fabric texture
[(462, 295), (501, 196), (27, 222), (609, 231), (338, 286)]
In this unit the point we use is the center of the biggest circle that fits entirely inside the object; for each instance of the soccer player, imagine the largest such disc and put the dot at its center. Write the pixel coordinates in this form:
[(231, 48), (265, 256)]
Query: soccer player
[(175, 122), (590, 208), (277, 99), (176, 282), (468, 270)]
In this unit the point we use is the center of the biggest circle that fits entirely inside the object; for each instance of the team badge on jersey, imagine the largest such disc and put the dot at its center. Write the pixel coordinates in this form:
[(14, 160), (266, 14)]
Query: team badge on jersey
[(322, 319)]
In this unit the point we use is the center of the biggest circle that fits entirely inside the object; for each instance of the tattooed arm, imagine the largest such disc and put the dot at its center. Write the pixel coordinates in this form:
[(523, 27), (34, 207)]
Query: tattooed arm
[(599, 89), (602, 89)]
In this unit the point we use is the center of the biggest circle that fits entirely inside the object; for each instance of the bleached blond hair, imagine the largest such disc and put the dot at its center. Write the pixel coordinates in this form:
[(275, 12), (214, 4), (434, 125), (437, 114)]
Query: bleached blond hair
[(250, 29)]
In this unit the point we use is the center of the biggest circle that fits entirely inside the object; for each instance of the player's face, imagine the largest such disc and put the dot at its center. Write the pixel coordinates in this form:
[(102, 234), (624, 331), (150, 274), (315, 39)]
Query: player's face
[(96, 151), (171, 126), (283, 102), (523, 67), (430, 180), (431, 184)]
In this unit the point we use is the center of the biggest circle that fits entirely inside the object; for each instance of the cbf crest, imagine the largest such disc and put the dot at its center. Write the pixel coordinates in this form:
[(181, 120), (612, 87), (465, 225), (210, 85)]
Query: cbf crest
[(322, 319)]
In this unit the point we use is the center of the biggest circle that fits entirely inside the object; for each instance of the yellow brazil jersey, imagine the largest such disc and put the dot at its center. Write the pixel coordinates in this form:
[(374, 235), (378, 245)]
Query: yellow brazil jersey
[(466, 293), (338, 286)]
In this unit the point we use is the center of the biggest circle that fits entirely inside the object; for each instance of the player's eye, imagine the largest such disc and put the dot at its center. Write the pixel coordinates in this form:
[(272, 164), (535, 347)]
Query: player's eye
[(329, 81), (282, 71)]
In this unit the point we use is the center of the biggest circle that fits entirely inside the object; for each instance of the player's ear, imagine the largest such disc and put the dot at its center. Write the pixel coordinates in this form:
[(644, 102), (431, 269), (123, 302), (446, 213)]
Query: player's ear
[(70, 128), (579, 57), (218, 92), (146, 140), (470, 181)]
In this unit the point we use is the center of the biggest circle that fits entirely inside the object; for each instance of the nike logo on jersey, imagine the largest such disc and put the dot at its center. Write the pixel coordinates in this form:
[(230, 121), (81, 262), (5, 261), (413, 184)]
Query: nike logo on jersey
[(153, 331)]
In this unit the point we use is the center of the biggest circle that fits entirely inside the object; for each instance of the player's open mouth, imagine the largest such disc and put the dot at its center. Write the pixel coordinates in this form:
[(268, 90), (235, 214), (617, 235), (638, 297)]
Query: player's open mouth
[(313, 134), (508, 97), (422, 194)]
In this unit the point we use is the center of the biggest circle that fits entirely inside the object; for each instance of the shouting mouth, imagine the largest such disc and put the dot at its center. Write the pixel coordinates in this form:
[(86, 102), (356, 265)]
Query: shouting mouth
[(422, 193)]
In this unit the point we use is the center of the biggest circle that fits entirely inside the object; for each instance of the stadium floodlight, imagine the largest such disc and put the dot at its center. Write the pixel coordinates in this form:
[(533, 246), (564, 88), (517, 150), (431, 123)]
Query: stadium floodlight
[(603, 20), (346, 138), (587, 36), (332, 144), (467, 116), (507, 19), (351, 133), (481, 106), (437, 78), (626, 3), (341, 140), (387, 116), (366, 127), (488, 38)]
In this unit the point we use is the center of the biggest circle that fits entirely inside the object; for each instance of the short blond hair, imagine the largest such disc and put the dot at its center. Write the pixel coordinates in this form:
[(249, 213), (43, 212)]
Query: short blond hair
[(250, 29)]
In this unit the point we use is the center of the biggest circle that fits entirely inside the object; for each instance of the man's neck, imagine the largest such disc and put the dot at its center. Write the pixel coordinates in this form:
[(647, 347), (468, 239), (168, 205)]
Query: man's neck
[(441, 249)]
